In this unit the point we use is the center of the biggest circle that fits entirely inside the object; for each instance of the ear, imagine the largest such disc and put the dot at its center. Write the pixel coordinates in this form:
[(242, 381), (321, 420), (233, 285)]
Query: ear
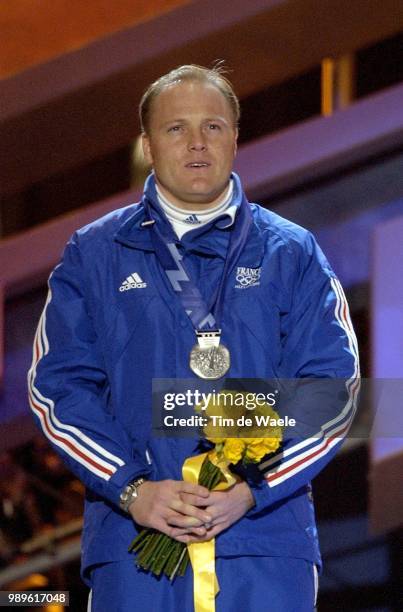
[(145, 141), (236, 141)]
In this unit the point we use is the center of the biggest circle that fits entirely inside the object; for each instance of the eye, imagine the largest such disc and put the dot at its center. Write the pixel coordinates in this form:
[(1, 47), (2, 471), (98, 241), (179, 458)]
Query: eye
[(214, 126), (174, 129)]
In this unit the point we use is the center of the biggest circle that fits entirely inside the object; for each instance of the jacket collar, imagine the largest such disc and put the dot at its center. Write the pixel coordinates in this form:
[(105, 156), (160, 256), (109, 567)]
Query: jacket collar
[(132, 233), (211, 239)]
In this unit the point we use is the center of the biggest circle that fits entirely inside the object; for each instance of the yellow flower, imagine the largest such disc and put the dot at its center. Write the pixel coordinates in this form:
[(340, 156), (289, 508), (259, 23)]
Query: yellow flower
[(258, 448), (233, 449), (254, 453), (235, 441)]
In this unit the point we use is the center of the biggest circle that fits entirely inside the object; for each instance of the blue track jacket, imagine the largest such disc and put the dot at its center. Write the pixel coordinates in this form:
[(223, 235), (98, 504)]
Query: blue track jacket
[(112, 322)]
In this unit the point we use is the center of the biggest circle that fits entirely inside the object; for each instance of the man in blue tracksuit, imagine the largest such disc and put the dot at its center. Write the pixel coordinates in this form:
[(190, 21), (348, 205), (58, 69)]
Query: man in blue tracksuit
[(192, 264)]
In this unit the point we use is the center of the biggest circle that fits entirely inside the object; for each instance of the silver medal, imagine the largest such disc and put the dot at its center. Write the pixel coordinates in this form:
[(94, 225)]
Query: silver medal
[(208, 358)]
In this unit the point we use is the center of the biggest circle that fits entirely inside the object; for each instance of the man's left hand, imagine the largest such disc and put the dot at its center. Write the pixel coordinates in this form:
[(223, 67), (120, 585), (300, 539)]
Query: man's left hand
[(225, 508)]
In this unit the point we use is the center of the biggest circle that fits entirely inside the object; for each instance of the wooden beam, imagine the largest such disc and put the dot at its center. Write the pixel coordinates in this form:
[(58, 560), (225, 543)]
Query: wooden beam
[(32, 34), (125, 54)]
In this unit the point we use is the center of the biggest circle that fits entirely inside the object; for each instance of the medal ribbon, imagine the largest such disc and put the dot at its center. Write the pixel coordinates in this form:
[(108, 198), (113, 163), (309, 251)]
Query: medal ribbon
[(202, 555), (203, 316)]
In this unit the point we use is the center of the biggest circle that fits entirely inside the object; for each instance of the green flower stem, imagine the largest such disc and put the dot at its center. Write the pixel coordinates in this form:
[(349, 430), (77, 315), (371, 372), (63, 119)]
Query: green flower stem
[(146, 553), (178, 556), (208, 465), (184, 553), (206, 470), (204, 475), (139, 539), (145, 542), (157, 550), (164, 549), (217, 478), (210, 481), (210, 475), (163, 556), (148, 556), (184, 563), (173, 559), (148, 543)]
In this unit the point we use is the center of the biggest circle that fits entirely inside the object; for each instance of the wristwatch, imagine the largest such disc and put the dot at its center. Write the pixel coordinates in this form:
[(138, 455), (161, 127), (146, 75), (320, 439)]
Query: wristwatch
[(130, 493)]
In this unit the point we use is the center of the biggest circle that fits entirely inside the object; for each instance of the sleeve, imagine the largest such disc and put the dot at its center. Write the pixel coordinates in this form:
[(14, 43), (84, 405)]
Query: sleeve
[(69, 392), (320, 364)]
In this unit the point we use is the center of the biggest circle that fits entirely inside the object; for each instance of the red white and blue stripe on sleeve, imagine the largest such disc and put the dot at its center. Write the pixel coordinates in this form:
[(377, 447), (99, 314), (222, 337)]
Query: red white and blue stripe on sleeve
[(289, 461), (70, 439)]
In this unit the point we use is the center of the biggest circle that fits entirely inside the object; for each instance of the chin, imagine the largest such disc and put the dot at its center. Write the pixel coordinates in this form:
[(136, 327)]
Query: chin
[(201, 198), (207, 194)]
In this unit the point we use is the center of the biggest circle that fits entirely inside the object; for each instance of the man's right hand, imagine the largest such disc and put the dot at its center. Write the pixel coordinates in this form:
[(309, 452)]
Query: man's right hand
[(159, 505)]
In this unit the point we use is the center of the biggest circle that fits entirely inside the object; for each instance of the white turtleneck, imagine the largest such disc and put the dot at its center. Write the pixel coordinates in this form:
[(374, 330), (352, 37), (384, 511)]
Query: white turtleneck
[(183, 221)]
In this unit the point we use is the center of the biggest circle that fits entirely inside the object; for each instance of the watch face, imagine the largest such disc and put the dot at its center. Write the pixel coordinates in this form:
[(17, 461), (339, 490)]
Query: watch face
[(129, 494)]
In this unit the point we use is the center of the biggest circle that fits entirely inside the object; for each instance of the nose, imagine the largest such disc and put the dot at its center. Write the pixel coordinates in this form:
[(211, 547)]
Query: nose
[(197, 141)]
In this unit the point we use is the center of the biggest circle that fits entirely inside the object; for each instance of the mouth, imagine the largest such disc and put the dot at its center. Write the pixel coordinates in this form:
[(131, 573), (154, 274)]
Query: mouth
[(197, 165)]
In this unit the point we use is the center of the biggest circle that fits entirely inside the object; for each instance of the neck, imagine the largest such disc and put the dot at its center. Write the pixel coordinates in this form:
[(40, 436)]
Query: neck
[(184, 220), (189, 207)]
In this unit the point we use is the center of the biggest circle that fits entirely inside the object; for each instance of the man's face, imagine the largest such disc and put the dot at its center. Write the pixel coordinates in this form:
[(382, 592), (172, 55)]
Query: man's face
[(191, 143)]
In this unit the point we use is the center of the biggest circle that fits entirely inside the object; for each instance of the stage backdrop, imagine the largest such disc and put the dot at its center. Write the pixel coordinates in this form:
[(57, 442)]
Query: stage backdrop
[(386, 490)]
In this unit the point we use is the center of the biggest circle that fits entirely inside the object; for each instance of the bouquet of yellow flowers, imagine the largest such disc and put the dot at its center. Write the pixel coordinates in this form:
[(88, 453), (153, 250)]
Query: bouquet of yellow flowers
[(233, 442)]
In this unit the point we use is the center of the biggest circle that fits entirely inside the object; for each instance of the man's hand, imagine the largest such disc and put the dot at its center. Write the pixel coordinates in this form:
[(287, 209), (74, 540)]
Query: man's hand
[(224, 507), (161, 505)]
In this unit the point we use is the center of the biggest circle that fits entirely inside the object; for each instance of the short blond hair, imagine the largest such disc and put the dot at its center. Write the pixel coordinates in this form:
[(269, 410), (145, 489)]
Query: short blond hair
[(189, 72)]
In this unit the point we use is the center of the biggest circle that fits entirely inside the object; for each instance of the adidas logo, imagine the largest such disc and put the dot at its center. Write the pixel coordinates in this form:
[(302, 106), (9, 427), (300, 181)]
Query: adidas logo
[(134, 281), (193, 219)]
